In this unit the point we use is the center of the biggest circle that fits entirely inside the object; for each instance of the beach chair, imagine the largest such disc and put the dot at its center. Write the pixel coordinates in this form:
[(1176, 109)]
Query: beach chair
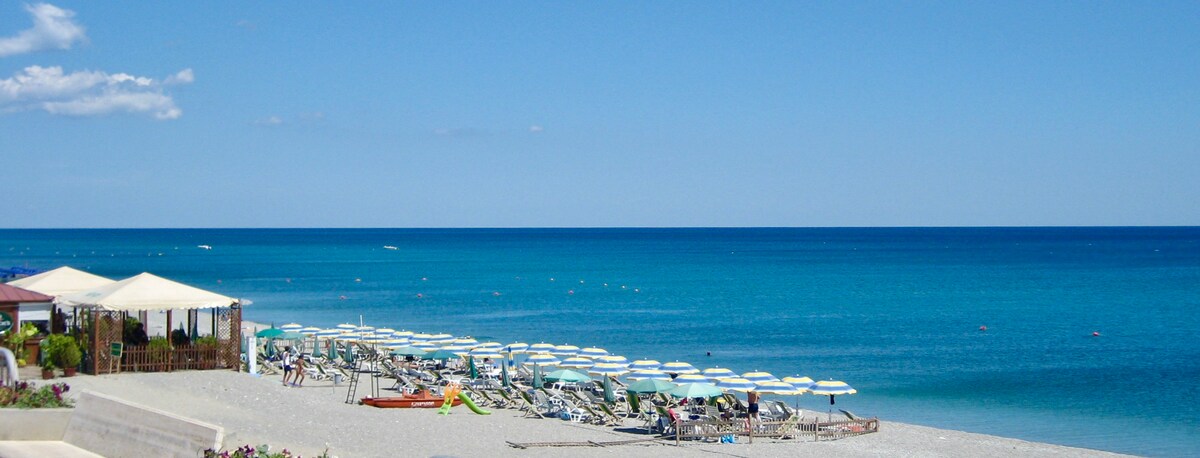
[(528, 407), (788, 428), (666, 421)]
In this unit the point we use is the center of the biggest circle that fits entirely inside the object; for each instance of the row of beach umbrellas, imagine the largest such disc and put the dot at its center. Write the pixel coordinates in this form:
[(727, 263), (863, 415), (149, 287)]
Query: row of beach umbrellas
[(677, 378)]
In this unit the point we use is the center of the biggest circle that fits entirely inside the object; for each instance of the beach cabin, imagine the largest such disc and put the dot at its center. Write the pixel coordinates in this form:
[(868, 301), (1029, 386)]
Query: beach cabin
[(23, 306), (208, 335)]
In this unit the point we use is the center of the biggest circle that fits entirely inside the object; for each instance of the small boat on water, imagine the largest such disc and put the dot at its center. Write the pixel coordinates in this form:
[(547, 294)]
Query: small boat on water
[(421, 400)]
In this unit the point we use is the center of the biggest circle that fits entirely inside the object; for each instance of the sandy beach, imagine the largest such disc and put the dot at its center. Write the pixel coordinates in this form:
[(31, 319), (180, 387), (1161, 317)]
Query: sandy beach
[(312, 418)]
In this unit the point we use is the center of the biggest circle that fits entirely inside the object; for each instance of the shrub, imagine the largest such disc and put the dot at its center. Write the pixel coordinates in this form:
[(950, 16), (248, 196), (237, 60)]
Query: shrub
[(179, 338), (249, 451), (206, 340), (26, 396), (71, 355), (55, 347)]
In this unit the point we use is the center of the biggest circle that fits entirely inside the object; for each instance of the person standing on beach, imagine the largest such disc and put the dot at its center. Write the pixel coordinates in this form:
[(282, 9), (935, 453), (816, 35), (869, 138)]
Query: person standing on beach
[(752, 400), (298, 368), (286, 359)]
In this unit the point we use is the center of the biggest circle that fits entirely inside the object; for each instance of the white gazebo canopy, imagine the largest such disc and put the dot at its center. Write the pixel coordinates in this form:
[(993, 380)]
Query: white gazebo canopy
[(145, 292), (61, 281)]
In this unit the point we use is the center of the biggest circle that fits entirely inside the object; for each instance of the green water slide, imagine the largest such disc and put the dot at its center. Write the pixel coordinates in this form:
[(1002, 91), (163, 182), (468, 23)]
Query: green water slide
[(471, 405)]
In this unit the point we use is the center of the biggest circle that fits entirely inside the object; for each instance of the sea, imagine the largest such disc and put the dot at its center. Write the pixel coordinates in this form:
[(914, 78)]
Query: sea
[(1081, 336)]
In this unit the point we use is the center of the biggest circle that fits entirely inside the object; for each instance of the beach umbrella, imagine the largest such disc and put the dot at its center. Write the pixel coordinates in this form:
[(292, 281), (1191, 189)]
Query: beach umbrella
[(679, 367), (328, 333), (316, 349), (593, 352), (653, 374), (736, 384), (564, 350), (347, 327), (269, 333), (464, 342), (394, 342), (577, 362), (442, 339), (540, 348), (492, 345), (831, 388), (403, 334), (349, 356), (420, 337), (777, 387), (696, 390), (478, 352), (691, 378), (650, 386), (516, 347), (542, 359), (440, 354), (424, 345), (615, 359), (385, 331), (472, 371), (504, 375), (644, 365), (717, 373), (374, 340), (803, 383), (364, 328), (567, 376), (348, 338), (291, 335), (291, 327), (608, 369), (409, 351), (309, 330), (758, 376), (459, 350)]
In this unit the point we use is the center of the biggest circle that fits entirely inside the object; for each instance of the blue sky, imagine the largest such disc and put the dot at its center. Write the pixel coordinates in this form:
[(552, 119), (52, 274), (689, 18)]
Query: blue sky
[(516, 114)]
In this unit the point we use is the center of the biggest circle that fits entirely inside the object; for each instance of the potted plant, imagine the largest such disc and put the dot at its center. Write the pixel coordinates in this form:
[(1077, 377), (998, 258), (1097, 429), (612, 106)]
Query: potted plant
[(159, 351), (48, 370), (16, 340), (70, 357)]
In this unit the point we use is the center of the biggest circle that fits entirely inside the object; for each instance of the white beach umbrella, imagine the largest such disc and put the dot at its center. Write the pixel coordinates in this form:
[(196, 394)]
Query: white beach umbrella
[(485, 353), (349, 338), (759, 376), (679, 367), (464, 342), (716, 373), (420, 337), (403, 334), (291, 327), (540, 348), (650, 374), (564, 350), (608, 369), (364, 329), (592, 352), (645, 365), (736, 384), (516, 347), (385, 331), (424, 345), (614, 359), (542, 359), (460, 350), (777, 387), (309, 330), (690, 378), (441, 339), (799, 382), (347, 326), (493, 345), (374, 340), (577, 363)]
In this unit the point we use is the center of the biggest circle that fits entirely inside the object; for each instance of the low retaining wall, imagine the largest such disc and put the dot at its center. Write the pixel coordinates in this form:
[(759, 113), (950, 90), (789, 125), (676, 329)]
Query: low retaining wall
[(34, 424)]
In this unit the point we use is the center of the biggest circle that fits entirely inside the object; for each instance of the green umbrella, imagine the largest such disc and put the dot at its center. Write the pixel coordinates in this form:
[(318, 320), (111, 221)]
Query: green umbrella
[(409, 351), (568, 376), (473, 372), (349, 358), (269, 333), (316, 349), (440, 354), (504, 373), (650, 386), (609, 395), (291, 336), (696, 390)]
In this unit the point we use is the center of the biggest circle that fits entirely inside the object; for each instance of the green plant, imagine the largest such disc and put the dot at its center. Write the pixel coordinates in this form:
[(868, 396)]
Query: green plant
[(206, 340), (48, 365), (158, 349), (53, 347), (249, 451), (71, 356), (15, 340), (179, 337), (25, 395)]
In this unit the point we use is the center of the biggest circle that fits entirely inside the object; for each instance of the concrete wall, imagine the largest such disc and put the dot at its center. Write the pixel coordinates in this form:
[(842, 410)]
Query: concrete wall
[(34, 424), (112, 427)]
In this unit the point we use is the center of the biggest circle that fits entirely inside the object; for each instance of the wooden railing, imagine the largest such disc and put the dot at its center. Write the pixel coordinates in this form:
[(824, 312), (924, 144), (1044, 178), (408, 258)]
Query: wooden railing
[(141, 358), (781, 429)]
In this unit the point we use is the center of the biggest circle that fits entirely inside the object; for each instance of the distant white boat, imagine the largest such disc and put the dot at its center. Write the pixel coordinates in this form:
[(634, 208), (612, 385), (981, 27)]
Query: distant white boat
[(204, 247), (389, 247)]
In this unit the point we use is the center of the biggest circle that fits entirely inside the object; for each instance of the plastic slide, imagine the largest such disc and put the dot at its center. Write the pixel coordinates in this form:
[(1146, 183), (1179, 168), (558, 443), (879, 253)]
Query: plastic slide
[(471, 405)]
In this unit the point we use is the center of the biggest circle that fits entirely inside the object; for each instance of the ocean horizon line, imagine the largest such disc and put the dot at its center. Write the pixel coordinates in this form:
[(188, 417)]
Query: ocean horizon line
[(488, 228)]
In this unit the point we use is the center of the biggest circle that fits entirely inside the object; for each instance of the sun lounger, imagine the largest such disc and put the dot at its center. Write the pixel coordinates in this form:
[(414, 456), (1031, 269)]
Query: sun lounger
[(528, 406)]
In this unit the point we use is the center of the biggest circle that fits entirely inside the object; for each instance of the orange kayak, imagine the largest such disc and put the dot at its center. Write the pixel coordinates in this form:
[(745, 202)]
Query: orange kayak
[(422, 400)]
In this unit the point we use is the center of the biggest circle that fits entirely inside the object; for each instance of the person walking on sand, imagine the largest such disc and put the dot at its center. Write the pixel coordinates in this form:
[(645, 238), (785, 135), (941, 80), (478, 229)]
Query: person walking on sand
[(286, 359), (298, 368)]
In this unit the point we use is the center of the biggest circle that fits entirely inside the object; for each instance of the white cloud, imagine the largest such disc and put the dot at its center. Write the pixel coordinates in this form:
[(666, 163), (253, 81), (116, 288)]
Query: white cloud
[(52, 29), (269, 121), (184, 76), (88, 93), (535, 128)]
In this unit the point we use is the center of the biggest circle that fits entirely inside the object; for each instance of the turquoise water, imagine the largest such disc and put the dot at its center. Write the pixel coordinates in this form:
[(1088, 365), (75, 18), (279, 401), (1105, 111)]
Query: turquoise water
[(894, 312)]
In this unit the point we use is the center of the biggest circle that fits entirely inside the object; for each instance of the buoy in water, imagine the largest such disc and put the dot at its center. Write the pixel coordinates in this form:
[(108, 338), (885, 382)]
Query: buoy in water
[(571, 291), (983, 328), (342, 297), (1095, 333), (495, 293), (419, 295)]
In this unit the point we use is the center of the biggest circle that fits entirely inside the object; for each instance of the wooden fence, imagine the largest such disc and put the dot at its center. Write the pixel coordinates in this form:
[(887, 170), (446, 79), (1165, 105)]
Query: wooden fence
[(141, 358), (791, 428)]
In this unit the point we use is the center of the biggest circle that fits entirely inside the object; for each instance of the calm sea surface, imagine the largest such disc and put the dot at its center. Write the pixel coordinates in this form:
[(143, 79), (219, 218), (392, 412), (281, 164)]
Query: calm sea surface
[(896, 313)]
